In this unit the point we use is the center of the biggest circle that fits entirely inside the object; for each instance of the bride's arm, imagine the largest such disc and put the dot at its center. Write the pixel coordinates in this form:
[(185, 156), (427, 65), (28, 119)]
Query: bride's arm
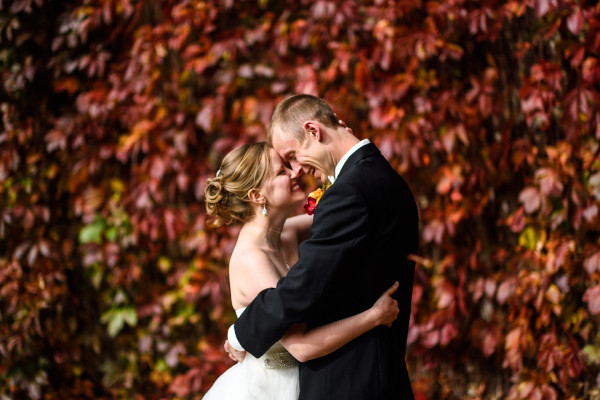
[(300, 225), (306, 344)]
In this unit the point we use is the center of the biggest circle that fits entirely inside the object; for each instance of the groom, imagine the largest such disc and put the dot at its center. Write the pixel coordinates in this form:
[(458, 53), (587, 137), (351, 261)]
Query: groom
[(365, 226)]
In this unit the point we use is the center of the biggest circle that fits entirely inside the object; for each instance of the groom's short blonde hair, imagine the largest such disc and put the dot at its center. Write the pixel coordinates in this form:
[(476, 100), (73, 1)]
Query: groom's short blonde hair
[(291, 113)]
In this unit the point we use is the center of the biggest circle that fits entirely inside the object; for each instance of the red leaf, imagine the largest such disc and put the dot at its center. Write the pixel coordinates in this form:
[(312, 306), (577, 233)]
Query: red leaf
[(504, 291), (592, 297), (449, 332), (517, 220), (445, 294), (434, 230), (525, 389), (157, 167), (169, 220), (431, 339), (489, 343), (55, 139), (590, 71), (530, 197), (549, 181), (362, 76), (28, 219), (561, 254), (204, 118), (180, 386), (536, 395), (512, 339), (32, 255), (413, 333), (183, 181), (577, 57), (590, 213), (575, 21), (490, 287), (531, 104), (44, 247), (445, 183), (70, 85), (542, 7), (592, 263), (549, 392), (306, 80)]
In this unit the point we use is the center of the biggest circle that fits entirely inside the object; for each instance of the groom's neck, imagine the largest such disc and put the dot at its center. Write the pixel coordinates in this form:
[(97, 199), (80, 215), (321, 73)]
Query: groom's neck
[(342, 142)]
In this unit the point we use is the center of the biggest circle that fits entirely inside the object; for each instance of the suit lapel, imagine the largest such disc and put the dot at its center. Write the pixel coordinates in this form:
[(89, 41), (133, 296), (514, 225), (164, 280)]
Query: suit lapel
[(365, 151)]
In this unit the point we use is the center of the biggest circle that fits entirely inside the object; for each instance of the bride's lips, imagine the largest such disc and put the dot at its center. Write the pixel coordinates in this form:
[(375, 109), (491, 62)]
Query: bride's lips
[(296, 187)]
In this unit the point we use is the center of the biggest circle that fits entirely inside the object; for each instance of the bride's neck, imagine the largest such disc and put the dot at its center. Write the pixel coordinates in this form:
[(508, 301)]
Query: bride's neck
[(266, 228)]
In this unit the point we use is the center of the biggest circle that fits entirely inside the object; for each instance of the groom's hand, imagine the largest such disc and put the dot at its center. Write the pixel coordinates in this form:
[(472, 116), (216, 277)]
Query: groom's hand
[(234, 354)]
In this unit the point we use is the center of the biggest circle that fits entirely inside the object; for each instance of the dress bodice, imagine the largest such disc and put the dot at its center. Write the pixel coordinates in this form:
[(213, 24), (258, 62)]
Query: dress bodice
[(277, 356), (264, 378)]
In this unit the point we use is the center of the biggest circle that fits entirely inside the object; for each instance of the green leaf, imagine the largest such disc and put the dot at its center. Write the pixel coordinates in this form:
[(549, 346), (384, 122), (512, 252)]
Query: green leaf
[(117, 318), (112, 233), (593, 353), (95, 275), (164, 264), (532, 238), (130, 316), (115, 321), (92, 233)]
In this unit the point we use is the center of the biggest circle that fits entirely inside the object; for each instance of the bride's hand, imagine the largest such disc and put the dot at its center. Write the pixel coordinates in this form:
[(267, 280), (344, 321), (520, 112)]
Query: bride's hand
[(386, 308), (342, 123), (234, 354)]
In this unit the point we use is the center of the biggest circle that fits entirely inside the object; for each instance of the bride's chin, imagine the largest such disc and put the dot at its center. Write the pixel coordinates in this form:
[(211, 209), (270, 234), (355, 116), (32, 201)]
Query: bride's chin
[(297, 202), (291, 205)]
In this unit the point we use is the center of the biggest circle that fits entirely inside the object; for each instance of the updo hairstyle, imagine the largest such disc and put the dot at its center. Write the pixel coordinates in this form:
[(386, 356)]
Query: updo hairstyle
[(226, 195)]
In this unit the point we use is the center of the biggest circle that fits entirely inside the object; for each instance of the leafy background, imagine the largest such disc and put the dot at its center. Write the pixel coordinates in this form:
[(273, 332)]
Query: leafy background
[(114, 113)]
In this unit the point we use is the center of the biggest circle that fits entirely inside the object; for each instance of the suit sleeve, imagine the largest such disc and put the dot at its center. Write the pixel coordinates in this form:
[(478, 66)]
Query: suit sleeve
[(340, 223)]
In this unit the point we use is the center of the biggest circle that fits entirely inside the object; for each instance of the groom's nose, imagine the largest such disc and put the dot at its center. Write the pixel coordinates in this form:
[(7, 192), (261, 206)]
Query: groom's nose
[(296, 169)]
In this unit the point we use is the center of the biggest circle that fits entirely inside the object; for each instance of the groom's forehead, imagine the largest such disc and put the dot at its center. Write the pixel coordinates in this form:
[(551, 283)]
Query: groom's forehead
[(283, 142)]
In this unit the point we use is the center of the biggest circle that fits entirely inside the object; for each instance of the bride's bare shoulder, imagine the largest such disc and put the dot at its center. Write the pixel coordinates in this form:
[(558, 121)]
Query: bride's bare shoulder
[(250, 272), (252, 263), (245, 257)]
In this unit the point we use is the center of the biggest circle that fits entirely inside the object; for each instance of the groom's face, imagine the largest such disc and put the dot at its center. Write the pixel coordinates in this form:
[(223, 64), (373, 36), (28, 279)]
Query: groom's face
[(306, 157)]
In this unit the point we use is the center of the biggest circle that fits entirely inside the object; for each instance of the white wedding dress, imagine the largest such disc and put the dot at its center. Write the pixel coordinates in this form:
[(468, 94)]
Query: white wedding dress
[(274, 376)]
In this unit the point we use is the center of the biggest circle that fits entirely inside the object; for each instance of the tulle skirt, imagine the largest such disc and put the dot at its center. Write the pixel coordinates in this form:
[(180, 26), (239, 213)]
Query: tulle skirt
[(250, 380)]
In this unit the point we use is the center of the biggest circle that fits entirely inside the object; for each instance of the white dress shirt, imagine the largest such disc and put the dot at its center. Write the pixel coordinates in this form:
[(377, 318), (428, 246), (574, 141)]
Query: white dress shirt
[(345, 158)]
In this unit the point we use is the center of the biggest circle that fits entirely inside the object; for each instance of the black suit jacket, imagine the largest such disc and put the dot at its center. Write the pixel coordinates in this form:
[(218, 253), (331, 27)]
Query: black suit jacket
[(365, 226)]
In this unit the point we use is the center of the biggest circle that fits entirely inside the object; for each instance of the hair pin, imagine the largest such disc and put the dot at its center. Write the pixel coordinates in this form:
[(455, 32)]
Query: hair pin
[(218, 172)]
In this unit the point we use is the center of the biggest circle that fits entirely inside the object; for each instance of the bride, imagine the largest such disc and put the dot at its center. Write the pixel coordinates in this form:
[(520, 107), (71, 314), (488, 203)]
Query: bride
[(254, 187)]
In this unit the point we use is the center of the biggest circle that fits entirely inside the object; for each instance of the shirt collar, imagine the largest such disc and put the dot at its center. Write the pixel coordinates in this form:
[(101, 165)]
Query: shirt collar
[(343, 160)]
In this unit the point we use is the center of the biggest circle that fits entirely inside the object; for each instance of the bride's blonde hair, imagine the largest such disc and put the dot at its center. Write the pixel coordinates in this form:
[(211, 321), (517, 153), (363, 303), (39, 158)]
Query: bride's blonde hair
[(226, 195)]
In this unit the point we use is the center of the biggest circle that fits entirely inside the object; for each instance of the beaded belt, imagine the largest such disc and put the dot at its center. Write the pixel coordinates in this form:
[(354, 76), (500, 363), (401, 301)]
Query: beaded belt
[(279, 360)]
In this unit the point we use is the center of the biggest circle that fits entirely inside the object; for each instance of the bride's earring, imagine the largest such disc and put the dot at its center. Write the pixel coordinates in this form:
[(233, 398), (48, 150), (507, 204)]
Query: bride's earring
[(264, 211)]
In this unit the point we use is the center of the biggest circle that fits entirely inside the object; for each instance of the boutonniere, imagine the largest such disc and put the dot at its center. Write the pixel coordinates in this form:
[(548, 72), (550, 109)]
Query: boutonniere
[(313, 199)]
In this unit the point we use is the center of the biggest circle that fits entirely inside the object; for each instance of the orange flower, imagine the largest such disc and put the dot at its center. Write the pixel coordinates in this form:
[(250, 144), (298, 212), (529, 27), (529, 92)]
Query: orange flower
[(313, 199)]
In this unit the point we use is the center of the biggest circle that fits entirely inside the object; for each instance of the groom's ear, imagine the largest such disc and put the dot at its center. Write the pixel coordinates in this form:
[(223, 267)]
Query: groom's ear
[(313, 130)]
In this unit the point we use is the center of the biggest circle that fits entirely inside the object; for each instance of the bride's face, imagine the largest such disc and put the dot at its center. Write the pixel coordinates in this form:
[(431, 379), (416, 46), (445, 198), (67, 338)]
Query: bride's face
[(279, 188)]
